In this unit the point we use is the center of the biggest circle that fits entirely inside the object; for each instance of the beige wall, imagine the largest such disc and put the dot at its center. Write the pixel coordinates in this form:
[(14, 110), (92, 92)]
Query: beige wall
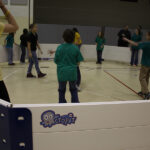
[(21, 13)]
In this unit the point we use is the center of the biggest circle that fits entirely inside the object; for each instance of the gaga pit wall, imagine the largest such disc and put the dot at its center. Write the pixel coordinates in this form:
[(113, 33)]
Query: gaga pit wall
[(99, 126), (112, 53)]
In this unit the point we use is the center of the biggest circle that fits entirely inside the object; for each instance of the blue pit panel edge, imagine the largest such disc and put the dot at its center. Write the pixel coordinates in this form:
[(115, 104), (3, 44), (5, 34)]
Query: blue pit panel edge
[(15, 129)]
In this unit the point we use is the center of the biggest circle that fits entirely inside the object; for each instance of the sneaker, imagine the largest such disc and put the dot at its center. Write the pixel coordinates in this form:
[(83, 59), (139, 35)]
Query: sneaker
[(147, 96), (11, 64), (30, 75), (41, 75), (98, 62), (78, 88)]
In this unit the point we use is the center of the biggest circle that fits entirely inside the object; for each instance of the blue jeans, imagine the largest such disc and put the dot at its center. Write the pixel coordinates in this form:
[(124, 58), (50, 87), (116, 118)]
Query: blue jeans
[(99, 56), (10, 55), (79, 46), (134, 57), (23, 54), (73, 91), (34, 60), (78, 82)]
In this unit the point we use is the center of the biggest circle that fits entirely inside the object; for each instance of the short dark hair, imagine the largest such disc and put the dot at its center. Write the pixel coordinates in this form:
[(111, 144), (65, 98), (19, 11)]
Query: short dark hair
[(32, 26), (75, 30), (139, 31), (25, 31), (68, 36)]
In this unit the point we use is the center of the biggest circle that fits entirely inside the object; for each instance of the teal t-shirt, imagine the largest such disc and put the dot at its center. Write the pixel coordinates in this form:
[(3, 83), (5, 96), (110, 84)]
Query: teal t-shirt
[(100, 43), (10, 41), (145, 46), (67, 58), (136, 38)]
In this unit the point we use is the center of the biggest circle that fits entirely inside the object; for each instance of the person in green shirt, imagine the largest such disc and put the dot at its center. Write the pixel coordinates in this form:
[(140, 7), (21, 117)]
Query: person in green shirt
[(134, 49), (145, 68), (67, 58), (9, 46), (141, 32), (100, 41)]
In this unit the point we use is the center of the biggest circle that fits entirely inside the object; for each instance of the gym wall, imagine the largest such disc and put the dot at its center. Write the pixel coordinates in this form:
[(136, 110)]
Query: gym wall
[(114, 13), (89, 16)]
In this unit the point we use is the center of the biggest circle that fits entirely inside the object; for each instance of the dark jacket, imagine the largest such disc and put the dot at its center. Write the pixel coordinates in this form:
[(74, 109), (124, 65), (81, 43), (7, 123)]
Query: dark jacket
[(121, 34)]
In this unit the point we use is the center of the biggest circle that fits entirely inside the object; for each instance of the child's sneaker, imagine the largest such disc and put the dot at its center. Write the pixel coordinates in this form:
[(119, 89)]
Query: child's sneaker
[(30, 75), (141, 94), (147, 96), (41, 75)]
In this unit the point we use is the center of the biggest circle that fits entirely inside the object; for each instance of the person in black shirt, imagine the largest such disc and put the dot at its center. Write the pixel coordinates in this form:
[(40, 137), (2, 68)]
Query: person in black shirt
[(23, 45), (32, 45), (124, 33)]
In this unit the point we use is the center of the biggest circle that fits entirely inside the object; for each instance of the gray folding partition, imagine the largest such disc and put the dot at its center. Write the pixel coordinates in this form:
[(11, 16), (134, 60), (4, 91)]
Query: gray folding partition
[(52, 33), (19, 2)]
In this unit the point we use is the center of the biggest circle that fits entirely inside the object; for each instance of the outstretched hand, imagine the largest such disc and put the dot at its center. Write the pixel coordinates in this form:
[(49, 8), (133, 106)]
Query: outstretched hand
[(51, 52), (125, 39)]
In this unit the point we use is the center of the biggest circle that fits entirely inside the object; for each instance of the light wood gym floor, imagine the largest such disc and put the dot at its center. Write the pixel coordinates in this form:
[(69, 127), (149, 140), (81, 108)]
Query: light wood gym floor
[(110, 81)]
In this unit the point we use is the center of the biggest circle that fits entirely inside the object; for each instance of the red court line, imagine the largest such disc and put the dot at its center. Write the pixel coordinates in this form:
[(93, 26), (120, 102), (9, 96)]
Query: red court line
[(122, 83)]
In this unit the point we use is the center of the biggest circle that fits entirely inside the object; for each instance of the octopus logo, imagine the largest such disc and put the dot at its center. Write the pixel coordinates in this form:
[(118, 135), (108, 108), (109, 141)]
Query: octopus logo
[(49, 119)]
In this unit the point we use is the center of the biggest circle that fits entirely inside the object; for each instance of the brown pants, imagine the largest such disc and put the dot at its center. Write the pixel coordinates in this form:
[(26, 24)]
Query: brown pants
[(144, 79)]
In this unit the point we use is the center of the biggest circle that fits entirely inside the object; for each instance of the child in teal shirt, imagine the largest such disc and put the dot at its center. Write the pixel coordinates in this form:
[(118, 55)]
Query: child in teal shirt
[(100, 41), (9, 46), (145, 68), (134, 49), (67, 57)]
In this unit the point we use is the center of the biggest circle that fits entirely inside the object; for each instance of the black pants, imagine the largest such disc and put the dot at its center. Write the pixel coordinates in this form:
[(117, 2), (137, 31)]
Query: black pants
[(23, 54), (3, 92), (99, 56), (134, 57), (78, 76), (73, 91)]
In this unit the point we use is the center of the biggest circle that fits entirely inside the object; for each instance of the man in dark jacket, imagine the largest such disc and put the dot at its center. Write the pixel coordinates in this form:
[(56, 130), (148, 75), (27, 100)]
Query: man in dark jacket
[(124, 33)]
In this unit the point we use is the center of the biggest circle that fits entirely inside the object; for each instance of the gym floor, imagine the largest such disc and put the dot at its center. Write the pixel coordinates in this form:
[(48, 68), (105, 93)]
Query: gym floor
[(110, 81)]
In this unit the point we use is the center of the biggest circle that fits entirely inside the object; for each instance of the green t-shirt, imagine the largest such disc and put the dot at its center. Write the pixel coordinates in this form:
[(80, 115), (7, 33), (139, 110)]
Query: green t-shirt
[(136, 38), (100, 43), (145, 46), (67, 57), (10, 41)]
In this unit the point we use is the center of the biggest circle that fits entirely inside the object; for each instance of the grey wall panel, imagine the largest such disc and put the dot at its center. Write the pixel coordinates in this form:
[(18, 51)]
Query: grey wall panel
[(112, 13), (111, 35), (18, 2), (53, 33)]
